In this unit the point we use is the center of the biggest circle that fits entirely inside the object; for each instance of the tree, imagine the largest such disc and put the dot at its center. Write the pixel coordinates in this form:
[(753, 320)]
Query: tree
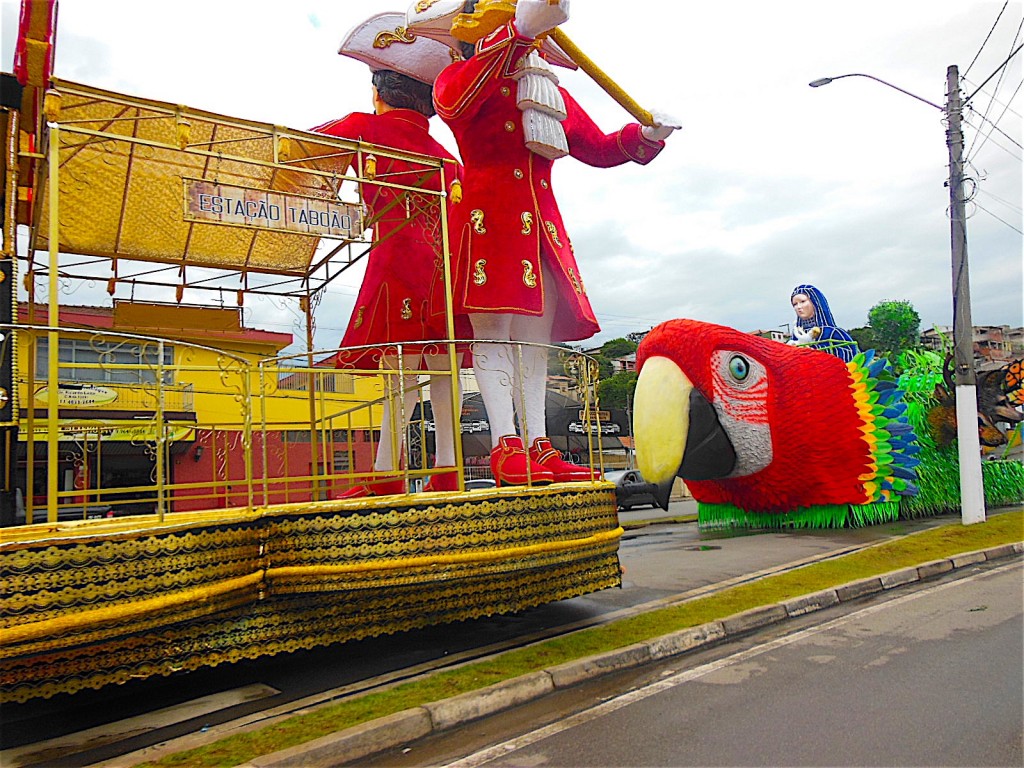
[(864, 337), (616, 348), (617, 391), (895, 326)]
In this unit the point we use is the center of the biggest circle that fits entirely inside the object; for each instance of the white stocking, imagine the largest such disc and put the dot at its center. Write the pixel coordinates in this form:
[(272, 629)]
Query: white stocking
[(533, 365), (441, 405), (494, 366), (392, 431)]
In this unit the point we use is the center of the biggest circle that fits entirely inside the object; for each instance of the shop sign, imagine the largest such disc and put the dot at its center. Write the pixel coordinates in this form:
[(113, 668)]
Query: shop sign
[(79, 396), (213, 203), (80, 431)]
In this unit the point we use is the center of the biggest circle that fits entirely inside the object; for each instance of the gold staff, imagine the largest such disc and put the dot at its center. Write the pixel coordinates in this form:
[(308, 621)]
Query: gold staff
[(491, 14)]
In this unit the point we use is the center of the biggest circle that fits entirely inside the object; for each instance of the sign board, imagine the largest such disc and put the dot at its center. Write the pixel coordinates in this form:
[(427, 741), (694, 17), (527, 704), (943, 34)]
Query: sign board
[(85, 396), (208, 202), (81, 431)]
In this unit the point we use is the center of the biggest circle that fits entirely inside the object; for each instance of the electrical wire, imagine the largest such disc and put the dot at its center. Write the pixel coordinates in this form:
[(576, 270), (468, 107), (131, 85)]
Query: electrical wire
[(983, 43), (1002, 72), (997, 218), (973, 152), (999, 69)]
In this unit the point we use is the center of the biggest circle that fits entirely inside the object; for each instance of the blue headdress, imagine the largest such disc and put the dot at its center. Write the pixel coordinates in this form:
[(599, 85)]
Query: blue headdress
[(822, 313), (833, 339)]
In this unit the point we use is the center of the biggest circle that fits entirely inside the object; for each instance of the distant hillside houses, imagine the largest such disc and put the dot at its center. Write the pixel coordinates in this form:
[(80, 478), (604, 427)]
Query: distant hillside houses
[(994, 345)]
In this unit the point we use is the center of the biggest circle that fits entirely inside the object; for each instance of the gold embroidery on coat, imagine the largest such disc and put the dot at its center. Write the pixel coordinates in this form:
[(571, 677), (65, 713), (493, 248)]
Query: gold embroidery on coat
[(527, 222), (359, 317), (424, 5), (407, 309), (576, 286), (529, 278), (479, 276), (476, 217), (553, 231), (400, 35)]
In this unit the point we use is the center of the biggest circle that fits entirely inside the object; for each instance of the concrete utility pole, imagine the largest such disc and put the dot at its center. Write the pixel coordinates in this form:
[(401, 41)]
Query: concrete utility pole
[(972, 490)]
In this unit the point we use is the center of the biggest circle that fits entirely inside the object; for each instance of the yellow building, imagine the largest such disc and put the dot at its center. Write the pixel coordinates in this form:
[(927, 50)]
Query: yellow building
[(141, 381)]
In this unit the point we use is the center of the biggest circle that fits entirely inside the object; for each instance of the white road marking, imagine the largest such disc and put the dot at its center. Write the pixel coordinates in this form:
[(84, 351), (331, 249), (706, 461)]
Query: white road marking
[(485, 756)]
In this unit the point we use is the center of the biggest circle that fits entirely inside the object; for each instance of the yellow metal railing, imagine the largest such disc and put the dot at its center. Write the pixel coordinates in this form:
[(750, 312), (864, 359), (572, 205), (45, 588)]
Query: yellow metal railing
[(201, 428)]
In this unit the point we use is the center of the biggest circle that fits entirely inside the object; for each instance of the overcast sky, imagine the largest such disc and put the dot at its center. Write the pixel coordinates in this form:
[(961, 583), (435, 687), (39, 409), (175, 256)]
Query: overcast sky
[(769, 184)]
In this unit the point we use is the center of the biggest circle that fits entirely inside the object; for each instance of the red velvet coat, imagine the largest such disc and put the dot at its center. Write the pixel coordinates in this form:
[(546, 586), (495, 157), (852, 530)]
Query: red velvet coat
[(508, 217), (393, 300)]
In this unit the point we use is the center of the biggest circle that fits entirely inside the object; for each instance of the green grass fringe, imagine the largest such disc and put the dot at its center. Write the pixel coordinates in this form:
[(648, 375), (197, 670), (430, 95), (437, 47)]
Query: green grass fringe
[(725, 516)]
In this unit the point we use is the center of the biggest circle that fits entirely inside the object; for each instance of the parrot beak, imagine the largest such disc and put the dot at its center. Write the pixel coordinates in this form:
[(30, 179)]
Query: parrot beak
[(662, 493), (676, 429)]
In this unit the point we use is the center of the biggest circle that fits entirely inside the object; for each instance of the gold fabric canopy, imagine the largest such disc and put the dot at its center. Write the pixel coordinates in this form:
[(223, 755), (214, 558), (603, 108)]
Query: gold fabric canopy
[(129, 170)]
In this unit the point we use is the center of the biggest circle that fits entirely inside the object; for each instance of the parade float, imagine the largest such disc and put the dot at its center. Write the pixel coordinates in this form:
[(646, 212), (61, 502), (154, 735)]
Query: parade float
[(171, 478)]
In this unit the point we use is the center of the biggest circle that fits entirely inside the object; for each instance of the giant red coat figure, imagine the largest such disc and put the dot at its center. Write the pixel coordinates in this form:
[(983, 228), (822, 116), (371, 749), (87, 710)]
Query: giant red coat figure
[(509, 220), (392, 305)]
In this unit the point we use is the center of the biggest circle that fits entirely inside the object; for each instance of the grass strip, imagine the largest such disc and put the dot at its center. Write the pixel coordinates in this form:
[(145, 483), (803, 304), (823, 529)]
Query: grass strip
[(909, 551)]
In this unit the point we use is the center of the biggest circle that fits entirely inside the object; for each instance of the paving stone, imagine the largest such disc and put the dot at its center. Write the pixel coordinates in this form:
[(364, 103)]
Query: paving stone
[(754, 618), (859, 588), (685, 640), (813, 602), (1006, 550), (494, 698), (899, 578), (573, 672), (934, 568), (967, 558)]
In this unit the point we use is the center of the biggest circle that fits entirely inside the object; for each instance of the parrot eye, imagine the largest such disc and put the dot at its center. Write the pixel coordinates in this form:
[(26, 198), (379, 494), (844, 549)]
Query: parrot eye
[(739, 368)]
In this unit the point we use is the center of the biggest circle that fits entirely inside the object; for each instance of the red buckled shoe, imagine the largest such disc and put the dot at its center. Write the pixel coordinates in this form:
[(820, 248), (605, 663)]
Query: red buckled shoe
[(374, 488), (443, 481), (541, 452), (511, 466)]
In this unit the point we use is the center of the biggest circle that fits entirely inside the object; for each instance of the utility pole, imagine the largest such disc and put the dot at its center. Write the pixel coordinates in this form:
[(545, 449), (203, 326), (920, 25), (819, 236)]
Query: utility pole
[(972, 490)]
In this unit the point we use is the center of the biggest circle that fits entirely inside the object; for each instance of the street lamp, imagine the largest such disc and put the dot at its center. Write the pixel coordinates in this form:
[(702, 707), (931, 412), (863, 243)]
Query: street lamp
[(972, 490)]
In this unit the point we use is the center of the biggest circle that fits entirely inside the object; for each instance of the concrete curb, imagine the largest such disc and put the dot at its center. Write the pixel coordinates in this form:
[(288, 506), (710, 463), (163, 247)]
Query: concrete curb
[(403, 727)]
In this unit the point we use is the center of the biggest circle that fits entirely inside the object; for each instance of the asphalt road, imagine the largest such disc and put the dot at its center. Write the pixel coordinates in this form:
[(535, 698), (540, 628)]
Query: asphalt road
[(933, 676)]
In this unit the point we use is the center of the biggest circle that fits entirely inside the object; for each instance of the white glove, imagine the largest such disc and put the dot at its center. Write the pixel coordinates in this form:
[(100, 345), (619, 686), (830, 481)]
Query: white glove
[(535, 17), (804, 337), (663, 126)]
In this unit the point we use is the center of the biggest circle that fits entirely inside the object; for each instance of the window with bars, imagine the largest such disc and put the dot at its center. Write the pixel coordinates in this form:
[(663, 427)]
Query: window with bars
[(105, 361)]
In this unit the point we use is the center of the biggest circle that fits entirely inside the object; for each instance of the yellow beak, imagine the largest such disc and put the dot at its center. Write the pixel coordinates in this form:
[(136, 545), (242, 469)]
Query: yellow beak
[(661, 419)]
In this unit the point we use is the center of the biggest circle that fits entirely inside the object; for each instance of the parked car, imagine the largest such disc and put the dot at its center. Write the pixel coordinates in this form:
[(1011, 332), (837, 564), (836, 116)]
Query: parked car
[(480, 483), (631, 490)]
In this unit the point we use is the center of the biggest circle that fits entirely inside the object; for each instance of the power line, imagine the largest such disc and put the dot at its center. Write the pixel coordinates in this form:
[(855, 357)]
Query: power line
[(1013, 112), (997, 218), (998, 17), (1002, 71), (999, 199), (974, 152), (998, 70)]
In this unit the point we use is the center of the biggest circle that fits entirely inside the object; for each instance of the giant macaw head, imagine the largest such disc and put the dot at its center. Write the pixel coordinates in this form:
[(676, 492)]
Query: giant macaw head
[(746, 420)]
